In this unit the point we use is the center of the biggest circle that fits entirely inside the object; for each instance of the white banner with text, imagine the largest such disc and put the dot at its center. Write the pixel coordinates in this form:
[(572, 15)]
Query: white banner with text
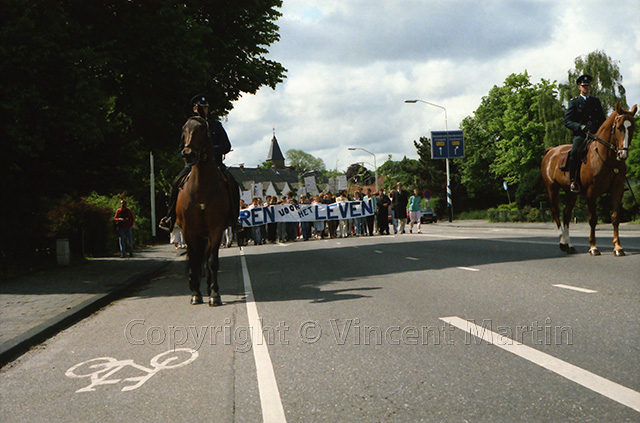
[(305, 212)]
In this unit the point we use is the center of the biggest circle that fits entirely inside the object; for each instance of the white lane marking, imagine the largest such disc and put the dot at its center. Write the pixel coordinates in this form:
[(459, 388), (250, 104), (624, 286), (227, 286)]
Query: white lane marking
[(412, 258), (575, 288), (609, 389), (272, 410), (470, 269)]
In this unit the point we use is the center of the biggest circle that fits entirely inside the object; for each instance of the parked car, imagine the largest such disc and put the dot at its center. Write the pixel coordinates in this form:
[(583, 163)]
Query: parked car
[(427, 215)]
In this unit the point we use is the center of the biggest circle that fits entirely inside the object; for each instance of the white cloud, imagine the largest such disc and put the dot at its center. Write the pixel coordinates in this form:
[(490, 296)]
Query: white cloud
[(353, 63)]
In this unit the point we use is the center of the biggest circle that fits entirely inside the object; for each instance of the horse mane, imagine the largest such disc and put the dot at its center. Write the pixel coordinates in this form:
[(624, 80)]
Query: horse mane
[(608, 123)]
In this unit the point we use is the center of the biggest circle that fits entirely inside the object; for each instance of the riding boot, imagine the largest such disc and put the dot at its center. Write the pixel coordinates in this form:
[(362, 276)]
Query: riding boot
[(573, 169), (167, 222)]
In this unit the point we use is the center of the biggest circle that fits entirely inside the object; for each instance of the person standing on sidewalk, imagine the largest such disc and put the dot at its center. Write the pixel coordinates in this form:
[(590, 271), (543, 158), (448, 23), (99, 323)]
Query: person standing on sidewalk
[(399, 205), (414, 210), (125, 219)]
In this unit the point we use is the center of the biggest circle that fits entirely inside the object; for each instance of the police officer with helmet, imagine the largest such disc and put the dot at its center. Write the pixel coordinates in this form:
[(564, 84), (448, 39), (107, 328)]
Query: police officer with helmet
[(583, 116), (221, 146)]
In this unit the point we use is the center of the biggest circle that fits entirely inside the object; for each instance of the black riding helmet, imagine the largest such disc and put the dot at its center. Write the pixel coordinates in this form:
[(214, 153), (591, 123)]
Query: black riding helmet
[(200, 100)]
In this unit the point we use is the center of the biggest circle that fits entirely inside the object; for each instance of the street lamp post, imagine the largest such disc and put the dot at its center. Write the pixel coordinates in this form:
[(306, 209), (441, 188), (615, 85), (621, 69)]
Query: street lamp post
[(446, 128), (374, 162)]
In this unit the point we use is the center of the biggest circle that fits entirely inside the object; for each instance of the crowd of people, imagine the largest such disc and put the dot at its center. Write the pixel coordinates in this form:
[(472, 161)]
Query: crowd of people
[(394, 210)]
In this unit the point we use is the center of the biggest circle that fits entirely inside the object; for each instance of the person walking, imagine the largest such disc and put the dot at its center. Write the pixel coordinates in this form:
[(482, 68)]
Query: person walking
[(125, 219), (414, 210), (383, 202), (399, 205), (371, 219)]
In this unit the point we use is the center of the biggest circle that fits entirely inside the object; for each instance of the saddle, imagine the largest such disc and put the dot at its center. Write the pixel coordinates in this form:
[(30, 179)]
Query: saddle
[(564, 161)]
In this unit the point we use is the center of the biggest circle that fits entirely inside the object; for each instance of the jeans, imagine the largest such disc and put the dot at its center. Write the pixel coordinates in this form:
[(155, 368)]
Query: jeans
[(128, 234)]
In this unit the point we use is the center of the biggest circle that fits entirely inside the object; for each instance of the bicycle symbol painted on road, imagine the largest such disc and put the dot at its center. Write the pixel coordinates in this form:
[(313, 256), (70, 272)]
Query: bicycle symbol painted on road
[(101, 368)]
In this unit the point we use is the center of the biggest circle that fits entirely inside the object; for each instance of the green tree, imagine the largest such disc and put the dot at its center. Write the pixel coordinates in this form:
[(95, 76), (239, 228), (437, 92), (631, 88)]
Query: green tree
[(301, 160), (267, 165), (505, 139), (358, 174), (89, 88)]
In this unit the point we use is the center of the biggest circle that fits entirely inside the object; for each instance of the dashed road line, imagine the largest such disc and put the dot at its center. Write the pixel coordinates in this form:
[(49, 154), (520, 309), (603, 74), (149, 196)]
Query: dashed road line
[(592, 381), (575, 288)]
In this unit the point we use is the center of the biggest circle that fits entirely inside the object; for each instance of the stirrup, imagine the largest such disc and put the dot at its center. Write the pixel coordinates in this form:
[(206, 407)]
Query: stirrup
[(165, 224), (574, 187)]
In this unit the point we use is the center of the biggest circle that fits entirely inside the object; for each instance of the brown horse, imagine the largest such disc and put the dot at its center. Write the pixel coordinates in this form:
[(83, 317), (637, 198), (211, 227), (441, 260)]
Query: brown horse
[(203, 209), (603, 170)]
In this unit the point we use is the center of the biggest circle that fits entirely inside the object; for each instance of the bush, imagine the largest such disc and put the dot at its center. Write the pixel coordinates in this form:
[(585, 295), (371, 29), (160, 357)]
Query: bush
[(512, 213), (472, 215), (88, 223)]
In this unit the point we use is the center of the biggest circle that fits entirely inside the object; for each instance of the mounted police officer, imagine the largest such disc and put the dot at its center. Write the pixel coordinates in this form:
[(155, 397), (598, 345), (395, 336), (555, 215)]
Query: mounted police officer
[(583, 117), (221, 146)]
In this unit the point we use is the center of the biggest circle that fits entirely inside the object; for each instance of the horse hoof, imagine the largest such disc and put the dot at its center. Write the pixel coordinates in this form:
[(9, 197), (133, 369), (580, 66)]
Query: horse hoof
[(564, 247), (215, 301), (572, 250), (196, 299), (594, 252), (618, 253)]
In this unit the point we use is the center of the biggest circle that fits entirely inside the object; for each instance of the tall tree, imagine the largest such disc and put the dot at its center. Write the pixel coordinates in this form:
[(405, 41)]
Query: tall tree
[(505, 139), (89, 88)]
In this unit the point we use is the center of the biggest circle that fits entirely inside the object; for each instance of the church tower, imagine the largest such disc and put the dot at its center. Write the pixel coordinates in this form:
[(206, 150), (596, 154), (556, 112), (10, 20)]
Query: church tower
[(275, 154)]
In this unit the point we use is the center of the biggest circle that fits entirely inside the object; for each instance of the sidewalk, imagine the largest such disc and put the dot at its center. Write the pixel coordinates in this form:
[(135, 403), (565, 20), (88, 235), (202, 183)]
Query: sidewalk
[(36, 306)]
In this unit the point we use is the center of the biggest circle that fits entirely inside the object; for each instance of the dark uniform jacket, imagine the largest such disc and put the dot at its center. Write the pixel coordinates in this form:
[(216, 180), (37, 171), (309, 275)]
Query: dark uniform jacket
[(584, 112), (399, 203)]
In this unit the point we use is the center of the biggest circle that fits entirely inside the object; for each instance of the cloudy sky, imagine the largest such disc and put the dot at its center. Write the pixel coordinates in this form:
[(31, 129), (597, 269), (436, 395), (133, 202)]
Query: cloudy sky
[(352, 63)]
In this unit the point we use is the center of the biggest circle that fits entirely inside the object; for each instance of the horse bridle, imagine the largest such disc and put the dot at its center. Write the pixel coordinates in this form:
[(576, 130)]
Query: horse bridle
[(607, 144)]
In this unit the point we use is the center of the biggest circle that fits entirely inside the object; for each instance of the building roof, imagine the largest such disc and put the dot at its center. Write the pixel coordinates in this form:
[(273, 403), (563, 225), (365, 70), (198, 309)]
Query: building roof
[(275, 154)]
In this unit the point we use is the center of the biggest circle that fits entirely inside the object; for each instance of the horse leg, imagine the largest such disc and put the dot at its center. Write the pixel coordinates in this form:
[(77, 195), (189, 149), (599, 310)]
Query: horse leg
[(195, 253), (565, 239), (593, 221), (616, 199), (212, 279)]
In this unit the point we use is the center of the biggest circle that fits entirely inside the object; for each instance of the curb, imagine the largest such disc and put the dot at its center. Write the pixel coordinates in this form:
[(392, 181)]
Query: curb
[(17, 346)]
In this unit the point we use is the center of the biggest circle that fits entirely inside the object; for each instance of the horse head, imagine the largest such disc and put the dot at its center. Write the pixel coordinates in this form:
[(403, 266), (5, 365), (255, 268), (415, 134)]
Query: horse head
[(622, 130), (196, 140)]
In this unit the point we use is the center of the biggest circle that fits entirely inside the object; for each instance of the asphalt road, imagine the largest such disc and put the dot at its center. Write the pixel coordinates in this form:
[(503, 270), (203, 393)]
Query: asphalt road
[(359, 329)]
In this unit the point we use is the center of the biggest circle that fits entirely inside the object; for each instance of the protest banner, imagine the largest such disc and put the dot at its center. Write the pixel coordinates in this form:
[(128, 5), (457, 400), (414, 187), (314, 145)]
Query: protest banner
[(305, 212)]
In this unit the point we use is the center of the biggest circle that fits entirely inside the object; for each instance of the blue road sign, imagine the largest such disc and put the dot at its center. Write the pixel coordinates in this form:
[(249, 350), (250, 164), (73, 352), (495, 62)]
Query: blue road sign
[(447, 144)]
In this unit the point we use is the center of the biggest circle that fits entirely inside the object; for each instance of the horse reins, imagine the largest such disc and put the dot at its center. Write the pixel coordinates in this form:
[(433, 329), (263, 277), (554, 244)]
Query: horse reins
[(614, 148)]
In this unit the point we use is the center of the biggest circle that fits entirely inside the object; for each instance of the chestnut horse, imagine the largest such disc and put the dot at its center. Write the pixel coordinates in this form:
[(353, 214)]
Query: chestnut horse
[(603, 170), (203, 209)]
